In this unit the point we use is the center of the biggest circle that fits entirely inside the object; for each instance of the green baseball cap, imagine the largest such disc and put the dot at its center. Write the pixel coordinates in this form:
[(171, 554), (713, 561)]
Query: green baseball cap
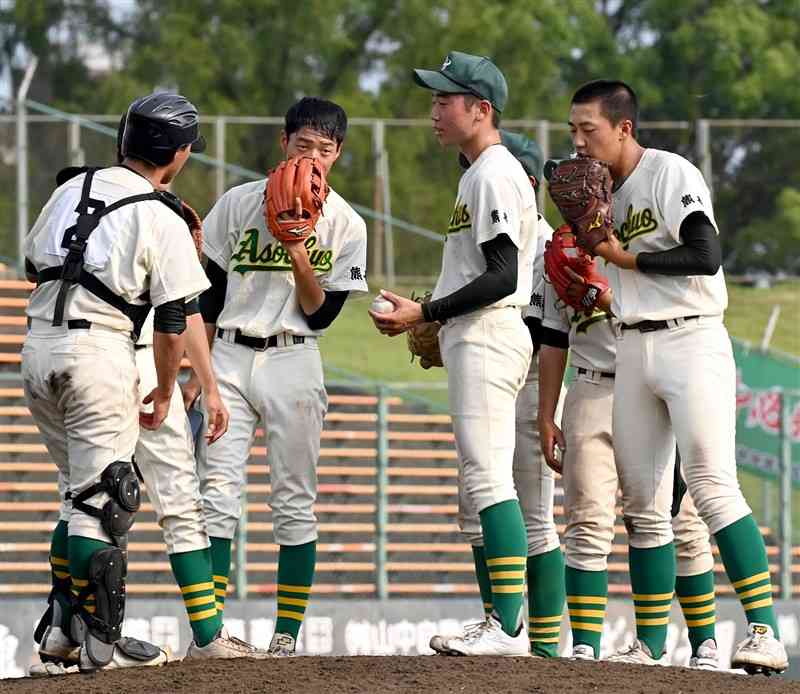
[(462, 73), (525, 150)]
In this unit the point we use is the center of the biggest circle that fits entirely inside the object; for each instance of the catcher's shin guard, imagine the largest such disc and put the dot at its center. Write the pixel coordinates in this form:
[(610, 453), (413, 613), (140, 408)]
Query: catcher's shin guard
[(99, 632)]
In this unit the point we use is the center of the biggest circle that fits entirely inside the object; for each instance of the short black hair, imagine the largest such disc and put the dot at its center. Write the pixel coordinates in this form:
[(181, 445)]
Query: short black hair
[(321, 115), (617, 100)]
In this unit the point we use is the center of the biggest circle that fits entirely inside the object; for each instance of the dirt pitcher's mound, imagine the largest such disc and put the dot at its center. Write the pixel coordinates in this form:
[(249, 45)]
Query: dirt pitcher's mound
[(422, 674)]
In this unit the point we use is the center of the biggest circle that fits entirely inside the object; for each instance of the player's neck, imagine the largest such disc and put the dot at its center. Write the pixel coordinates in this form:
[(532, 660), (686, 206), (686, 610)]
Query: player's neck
[(474, 147), (631, 155), (154, 174)]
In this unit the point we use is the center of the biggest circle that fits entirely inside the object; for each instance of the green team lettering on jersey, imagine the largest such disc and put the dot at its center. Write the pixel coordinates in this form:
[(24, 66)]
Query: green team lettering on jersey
[(273, 257), (636, 223), (460, 218), (584, 322)]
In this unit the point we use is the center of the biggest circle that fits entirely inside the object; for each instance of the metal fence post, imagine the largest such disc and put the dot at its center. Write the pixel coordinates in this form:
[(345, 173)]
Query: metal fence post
[(378, 203), (241, 551), (75, 153), (219, 153), (381, 495), (22, 161), (388, 229), (703, 152), (786, 499), (543, 136)]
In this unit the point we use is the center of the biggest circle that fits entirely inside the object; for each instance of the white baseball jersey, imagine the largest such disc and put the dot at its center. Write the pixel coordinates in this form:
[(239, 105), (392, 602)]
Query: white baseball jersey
[(140, 247), (261, 299), (649, 208), (535, 309), (495, 197), (592, 340)]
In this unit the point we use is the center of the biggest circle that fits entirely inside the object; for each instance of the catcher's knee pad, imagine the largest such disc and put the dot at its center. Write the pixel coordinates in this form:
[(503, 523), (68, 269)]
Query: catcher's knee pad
[(120, 481), (99, 631)]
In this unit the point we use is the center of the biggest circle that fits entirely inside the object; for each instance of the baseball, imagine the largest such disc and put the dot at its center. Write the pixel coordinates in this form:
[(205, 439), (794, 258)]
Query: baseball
[(381, 305)]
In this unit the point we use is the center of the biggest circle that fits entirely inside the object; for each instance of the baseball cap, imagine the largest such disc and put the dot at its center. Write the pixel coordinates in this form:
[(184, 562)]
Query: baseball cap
[(525, 150), (462, 73)]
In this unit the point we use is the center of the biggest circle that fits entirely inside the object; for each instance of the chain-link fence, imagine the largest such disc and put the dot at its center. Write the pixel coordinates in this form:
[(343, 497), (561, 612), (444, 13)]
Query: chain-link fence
[(404, 185)]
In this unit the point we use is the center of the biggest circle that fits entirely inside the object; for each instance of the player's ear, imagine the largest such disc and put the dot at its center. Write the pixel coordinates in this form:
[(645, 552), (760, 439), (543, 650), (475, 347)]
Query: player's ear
[(484, 110), (284, 141), (625, 128)]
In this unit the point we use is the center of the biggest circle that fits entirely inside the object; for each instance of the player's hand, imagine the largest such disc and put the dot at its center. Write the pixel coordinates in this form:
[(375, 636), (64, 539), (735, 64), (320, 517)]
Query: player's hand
[(293, 247), (406, 313), (190, 390), (218, 415), (612, 251), (577, 287), (551, 436), (153, 420)]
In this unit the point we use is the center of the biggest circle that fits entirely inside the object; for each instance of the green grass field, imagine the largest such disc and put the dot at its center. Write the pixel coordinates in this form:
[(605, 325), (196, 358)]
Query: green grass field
[(749, 310)]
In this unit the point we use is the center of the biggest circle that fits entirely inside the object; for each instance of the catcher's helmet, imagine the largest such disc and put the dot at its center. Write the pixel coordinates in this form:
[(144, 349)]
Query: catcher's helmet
[(158, 124)]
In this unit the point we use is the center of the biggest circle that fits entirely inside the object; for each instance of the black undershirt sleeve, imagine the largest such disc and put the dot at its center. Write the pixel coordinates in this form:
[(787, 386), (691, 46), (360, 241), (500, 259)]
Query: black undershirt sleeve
[(554, 338), (213, 299), (170, 317), (326, 314), (30, 271), (700, 253), (499, 280)]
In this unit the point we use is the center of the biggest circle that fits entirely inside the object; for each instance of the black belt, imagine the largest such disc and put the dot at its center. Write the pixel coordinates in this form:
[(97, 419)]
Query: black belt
[(138, 347), (79, 324), (259, 343), (604, 374), (649, 326)]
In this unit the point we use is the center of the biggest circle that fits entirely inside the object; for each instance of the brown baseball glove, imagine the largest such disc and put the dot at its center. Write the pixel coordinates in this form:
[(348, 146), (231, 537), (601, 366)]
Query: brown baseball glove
[(423, 339), (300, 178), (581, 189), (195, 225), (563, 252)]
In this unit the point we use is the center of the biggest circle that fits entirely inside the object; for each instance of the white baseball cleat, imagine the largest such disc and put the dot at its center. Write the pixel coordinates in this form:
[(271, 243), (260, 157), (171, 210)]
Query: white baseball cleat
[(281, 646), (225, 646), (438, 640), (488, 639), (51, 669), (637, 653), (582, 651), (760, 652), (58, 652), (707, 657)]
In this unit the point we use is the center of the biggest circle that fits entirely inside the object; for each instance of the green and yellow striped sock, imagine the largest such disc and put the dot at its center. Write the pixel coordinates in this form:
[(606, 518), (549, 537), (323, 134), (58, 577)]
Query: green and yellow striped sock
[(653, 583), (696, 596), (745, 557), (545, 602), (81, 550), (482, 574), (506, 545), (587, 598), (192, 571), (59, 571), (295, 577), (220, 568)]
